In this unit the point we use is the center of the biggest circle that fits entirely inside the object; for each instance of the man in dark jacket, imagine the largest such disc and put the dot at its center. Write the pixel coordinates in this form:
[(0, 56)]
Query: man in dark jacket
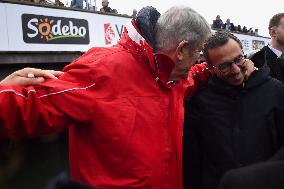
[(272, 55), (229, 25), (232, 122), (105, 8), (218, 23)]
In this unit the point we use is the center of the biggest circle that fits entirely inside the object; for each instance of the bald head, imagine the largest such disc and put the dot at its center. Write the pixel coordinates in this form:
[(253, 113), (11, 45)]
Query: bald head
[(105, 3)]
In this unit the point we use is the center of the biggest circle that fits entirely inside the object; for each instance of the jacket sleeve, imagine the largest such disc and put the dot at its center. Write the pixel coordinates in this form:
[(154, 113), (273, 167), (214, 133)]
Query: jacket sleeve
[(279, 111), (197, 78), (192, 153), (48, 107)]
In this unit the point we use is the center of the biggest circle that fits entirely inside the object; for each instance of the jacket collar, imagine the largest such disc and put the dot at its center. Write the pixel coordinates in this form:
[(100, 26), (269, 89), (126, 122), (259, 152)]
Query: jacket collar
[(276, 51), (159, 65), (257, 78), (275, 64)]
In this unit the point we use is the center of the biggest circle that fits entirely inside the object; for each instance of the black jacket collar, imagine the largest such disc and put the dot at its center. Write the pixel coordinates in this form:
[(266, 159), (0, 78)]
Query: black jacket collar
[(267, 57), (257, 78)]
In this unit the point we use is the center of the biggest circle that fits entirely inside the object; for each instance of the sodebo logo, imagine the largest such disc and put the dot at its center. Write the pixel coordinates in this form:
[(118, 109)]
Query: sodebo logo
[(54, 30)]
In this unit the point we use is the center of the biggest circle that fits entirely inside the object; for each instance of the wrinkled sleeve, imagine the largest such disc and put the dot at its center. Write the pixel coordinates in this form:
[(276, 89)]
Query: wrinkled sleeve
[(279, 112), (46, 108), (192, 151), (197, 78)]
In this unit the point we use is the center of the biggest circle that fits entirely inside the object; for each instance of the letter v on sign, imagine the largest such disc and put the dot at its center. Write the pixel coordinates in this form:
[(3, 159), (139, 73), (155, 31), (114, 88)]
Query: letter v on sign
[(121, 30)]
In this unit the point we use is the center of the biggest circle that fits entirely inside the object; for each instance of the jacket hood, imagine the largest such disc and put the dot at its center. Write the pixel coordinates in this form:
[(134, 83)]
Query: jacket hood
[(146, 21), (139, 39), (257, 78)]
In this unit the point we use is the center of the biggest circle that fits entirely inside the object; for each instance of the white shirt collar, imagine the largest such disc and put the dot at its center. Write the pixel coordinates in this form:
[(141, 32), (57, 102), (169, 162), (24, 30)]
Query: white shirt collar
[(276, 51)]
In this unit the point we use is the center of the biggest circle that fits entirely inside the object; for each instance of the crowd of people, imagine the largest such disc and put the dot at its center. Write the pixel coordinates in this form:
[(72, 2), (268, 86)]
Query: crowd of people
[(228, 25), (105, 8), (124, 107), (79, 4)]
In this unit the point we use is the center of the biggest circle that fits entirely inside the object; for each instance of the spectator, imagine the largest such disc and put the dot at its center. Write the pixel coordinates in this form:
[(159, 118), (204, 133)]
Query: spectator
[(217, 24), (134, 13), (106, 8), (250, 31), (256, 32), (228, 25), (245, 30), (30, 1), (114, 11), (58, 3), (236, 29), (239, 29), (272, 55), (230, 123), (42, 2), (77, 4)]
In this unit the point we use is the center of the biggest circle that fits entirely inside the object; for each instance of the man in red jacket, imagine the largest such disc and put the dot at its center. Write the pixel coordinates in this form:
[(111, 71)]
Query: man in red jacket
[(123, 105)]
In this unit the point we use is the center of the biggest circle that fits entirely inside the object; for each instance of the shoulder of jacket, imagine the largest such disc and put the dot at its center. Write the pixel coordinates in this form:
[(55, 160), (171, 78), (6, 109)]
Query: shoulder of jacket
[(258, 55)]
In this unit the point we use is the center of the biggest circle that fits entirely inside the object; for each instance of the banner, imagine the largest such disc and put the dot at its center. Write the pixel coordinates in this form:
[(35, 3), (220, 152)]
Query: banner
[(252, 43), (33, 28)]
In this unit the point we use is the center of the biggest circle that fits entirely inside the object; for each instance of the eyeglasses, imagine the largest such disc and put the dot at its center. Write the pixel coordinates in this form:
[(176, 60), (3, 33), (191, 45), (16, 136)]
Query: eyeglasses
[(226, 66)]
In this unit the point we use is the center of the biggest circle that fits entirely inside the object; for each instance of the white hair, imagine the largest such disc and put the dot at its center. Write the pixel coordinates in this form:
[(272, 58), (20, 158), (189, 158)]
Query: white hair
[(180, 23)]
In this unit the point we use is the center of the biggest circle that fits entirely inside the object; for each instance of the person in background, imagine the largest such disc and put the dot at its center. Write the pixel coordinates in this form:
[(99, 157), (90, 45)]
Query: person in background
[(42, 2), (105, 8), (256, 32), (77, 4), (273, 54), (114, 11), (244, 30), (58, 3), (229, 26), (239, 29), (134, 13), (250, 31), (217, 23)]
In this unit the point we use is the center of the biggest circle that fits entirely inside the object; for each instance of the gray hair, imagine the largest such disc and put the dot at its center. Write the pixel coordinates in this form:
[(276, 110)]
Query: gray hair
[(180, 23), (219, 39)]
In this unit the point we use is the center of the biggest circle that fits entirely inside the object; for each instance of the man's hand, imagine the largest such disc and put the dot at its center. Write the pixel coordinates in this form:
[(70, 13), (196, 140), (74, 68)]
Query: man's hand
[(30, 76), (249, 68)]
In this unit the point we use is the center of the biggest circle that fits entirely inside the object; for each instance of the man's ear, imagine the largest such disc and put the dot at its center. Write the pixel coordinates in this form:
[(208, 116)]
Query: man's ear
[(272, 31), (182, 50)]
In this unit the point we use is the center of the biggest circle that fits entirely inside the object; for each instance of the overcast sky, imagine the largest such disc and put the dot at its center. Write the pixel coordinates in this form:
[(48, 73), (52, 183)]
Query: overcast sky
[(251, 13)]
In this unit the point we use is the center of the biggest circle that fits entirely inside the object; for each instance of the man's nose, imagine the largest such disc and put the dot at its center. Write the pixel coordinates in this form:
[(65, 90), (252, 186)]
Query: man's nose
[(235, 68)]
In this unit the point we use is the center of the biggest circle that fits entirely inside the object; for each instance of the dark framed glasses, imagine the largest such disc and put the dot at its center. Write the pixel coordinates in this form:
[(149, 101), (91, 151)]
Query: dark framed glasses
[(226, 66)]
